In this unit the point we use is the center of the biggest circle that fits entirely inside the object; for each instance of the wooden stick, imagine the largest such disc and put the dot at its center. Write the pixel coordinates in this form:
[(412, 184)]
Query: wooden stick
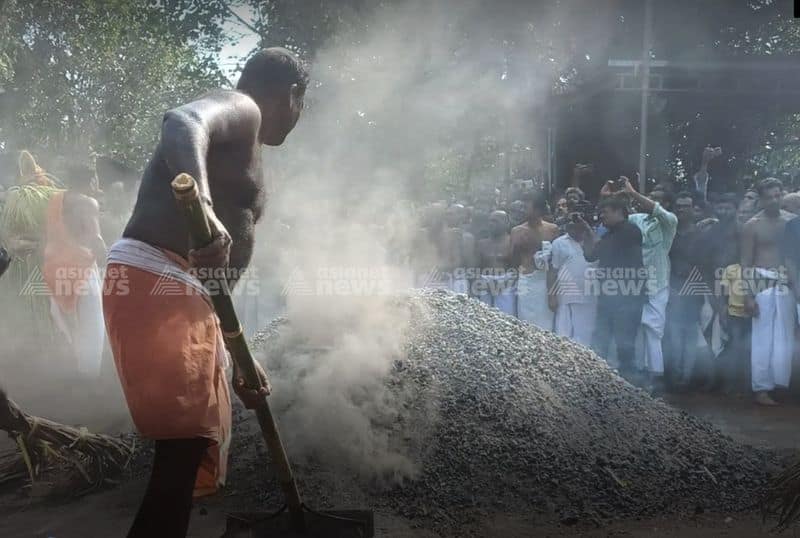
[(188, 197)]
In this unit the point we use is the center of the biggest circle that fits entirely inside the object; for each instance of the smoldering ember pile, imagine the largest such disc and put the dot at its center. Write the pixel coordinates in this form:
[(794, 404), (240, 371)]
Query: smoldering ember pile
[(497, 415)]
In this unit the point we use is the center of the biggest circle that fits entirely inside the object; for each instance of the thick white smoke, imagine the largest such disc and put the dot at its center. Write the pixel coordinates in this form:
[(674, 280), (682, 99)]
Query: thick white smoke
[(401, 88)]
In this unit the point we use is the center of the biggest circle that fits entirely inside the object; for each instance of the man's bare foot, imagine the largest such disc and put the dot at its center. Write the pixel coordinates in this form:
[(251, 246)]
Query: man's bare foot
[(763, 398)]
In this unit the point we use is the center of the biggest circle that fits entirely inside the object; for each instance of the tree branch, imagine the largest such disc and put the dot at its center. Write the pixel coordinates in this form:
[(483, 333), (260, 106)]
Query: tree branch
[(243, 22)]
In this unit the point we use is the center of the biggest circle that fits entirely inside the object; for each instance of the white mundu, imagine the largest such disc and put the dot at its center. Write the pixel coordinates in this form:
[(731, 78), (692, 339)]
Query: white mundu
[(577, 304), (773, 337), (532, 292), (499, 292), (85, 329)]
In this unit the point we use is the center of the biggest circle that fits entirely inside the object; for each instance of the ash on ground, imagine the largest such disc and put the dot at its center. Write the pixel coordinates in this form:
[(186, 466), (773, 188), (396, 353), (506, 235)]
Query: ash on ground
[(498, 416)]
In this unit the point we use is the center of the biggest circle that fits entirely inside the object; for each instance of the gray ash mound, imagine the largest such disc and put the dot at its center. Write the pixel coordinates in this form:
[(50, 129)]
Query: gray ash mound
[(484, 413)]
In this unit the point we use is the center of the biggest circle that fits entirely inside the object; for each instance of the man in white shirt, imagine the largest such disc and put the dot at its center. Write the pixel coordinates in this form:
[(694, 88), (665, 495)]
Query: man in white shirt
[(569, 295)]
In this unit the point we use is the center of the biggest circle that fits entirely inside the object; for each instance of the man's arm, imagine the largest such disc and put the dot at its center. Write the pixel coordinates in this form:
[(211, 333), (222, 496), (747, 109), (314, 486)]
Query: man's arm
[(589, 242), (667, 220), (645, 204), (748, 247), (85, 214), (790, 253), (701, 176)]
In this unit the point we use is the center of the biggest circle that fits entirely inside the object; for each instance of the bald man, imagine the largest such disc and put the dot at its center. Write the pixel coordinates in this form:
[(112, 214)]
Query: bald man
[(168, 348)]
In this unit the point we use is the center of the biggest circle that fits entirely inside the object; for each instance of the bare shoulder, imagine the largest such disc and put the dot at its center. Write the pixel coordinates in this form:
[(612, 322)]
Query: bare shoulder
[(520, 229), (230, 106), (551, 229), (215, 98), (80, 203)]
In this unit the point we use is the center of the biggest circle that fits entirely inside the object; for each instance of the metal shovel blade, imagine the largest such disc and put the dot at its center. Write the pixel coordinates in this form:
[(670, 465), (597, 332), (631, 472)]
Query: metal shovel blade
[(326, 524)]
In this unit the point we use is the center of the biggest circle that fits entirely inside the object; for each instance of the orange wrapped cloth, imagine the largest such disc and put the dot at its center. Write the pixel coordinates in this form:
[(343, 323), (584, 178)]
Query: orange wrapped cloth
[(67, 266), (169, 354)]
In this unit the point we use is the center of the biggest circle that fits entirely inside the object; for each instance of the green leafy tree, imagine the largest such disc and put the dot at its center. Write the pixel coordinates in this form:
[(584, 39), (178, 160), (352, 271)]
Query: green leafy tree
[(92, 76)]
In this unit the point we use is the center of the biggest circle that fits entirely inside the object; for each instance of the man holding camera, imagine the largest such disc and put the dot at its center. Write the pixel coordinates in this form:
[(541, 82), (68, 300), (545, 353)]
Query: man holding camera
[(658, 227)]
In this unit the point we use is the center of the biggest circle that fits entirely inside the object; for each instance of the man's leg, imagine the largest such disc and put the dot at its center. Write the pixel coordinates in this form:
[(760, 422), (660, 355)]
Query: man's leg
[(627, 317), (563, 321), (785, 322), (672, 343), (90, 332), (601, 338), (653, 322), (743, 327), (583, 321), (167, 502), (762, 347)]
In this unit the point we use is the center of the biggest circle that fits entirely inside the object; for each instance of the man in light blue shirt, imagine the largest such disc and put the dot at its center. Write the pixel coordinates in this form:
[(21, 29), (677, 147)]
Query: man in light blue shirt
[(658, 226)]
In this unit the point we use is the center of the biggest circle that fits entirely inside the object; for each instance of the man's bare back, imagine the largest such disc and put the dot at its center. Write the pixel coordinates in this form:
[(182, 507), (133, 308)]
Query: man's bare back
[(526, 240), (232, 174), (82, 219)]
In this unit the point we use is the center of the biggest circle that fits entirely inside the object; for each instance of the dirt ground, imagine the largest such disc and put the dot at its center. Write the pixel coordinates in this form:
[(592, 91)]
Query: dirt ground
[(109, 513)]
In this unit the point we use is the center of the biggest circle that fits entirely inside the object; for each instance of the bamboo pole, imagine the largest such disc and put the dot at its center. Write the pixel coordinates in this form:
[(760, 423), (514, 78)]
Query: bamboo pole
[(188, 198)]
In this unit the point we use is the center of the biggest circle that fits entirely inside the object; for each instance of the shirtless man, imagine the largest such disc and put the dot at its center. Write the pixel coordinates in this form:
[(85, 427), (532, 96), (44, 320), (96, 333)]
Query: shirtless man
[(769, 300), (527, 239), (494, 254), (168, 347), (73, 247)]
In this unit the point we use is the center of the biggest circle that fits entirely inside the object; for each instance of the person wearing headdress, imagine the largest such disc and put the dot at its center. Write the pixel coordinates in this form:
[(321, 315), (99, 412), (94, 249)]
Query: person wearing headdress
[(22, 231)]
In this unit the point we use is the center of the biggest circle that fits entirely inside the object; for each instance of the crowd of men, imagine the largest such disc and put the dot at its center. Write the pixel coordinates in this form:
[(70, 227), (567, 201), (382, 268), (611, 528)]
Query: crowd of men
[(678, 288)]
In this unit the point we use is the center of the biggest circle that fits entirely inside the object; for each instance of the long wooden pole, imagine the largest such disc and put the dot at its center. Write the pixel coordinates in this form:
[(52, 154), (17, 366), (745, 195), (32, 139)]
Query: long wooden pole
[(187, 195)]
